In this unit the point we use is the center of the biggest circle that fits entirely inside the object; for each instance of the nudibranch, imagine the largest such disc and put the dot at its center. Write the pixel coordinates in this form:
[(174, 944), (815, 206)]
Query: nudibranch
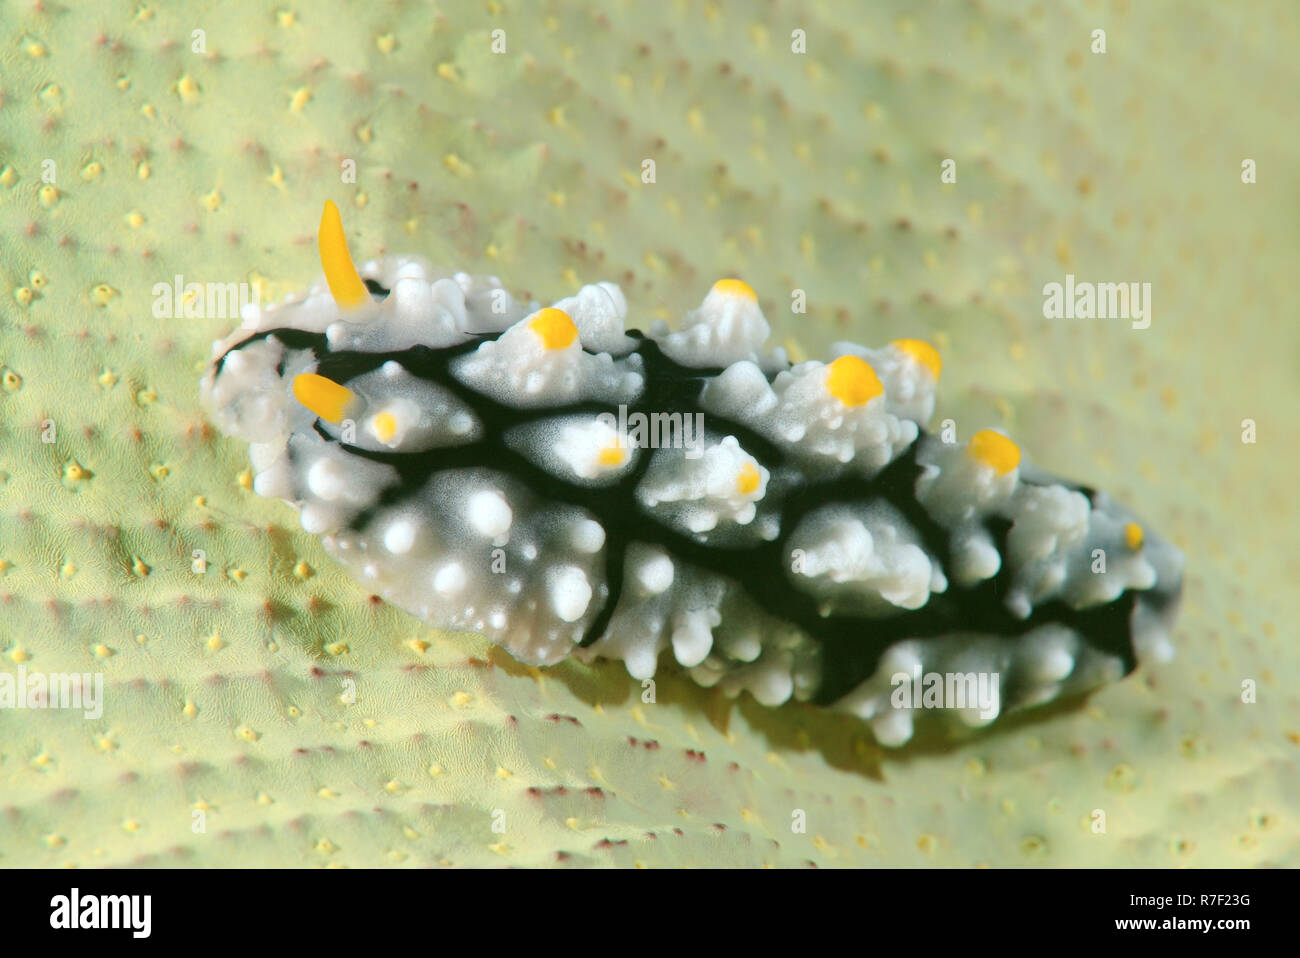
[(568, 486)]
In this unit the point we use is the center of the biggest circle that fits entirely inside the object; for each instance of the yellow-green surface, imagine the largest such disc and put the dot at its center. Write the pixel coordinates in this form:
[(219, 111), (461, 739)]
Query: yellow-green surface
[(816, 171)]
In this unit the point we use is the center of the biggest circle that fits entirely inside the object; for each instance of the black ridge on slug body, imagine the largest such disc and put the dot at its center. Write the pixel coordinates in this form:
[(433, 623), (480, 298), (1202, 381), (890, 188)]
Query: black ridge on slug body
[(851, 645)]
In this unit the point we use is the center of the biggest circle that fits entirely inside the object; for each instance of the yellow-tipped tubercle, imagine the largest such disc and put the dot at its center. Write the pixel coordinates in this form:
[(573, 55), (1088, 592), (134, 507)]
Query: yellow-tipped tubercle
[(735, 287), (922, 352), (555, 328), (1133, 536), (385, 426), (994, 450), (747, 479), (326, 398), (614, 455), (853, 382), (344, 281)]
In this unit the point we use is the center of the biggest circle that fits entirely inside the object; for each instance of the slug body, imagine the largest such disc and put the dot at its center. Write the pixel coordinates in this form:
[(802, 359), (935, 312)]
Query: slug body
[(567, 486)]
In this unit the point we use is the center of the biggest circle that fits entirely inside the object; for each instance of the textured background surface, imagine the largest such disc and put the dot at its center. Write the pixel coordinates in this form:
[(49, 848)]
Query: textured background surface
[(818, 172)]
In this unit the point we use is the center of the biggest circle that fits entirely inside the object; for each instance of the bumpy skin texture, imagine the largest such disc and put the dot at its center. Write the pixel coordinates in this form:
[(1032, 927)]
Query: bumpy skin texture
[(817, 172), (561, 484)]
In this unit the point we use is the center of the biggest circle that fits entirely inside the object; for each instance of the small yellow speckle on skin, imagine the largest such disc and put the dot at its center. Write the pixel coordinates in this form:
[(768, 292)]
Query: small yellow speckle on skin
[(327, 792), (143, 170), (92, 171), (418, 646), (748, 479), (68, 570), (457, 166), (75, 472), (8, 176), (190, 710), (302, 570), (146, 396), (301, 97), (448, 72), (503, 772), (386, 43), (36, 279), (212, 201), (462, 700), (1133, 536), (139, 567), (236, 574), (337, 648), (48, 195), (215, 642), (994, 450), (247, 734), (102, 295), (19, 655), (23, 296), (188, 90)]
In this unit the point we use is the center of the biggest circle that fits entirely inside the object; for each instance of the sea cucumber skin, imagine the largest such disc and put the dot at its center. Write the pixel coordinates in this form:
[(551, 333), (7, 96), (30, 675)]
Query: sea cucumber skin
[(816, 543)]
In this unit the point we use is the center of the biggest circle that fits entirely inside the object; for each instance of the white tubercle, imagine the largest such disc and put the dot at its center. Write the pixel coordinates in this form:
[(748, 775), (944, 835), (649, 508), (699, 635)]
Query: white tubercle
[(539, 361), (727, 327), (857, 558), (720, 485)]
